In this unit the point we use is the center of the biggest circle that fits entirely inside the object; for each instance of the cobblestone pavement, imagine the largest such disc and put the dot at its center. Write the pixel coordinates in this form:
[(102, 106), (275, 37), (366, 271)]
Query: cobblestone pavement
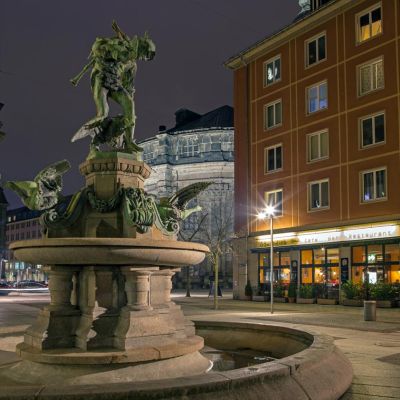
[(372, 347)]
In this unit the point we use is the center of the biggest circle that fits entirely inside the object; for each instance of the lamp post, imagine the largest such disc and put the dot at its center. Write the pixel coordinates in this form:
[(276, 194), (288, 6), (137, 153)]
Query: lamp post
[(269, 213)]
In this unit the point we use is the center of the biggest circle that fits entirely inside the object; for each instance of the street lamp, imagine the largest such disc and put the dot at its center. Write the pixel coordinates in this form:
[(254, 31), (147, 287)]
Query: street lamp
[(269, 213)]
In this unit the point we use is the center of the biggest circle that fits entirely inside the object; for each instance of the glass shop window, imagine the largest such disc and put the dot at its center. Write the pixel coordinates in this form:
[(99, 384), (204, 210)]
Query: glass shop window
[(306, 257), (392, 252), (358, 254), (332, 256)]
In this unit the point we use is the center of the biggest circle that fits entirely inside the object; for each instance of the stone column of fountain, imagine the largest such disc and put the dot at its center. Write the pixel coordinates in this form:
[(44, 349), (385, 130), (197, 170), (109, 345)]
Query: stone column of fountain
[(110, 284)]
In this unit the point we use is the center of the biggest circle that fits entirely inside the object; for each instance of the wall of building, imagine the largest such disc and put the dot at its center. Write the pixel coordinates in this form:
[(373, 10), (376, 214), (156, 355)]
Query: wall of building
[(346, 160), (22, 224), (210, 161)]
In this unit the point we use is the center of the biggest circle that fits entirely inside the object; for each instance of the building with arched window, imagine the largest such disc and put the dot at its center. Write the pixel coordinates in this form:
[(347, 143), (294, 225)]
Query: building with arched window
[(198, 148)]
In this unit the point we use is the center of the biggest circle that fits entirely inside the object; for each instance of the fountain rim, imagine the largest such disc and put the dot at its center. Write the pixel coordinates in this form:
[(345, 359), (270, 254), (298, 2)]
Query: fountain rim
[(319, 370), (114, 242)]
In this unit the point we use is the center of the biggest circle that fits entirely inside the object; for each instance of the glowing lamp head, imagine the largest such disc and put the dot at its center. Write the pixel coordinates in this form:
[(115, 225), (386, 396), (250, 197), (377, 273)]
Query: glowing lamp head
[(270, 211), (262, 215)]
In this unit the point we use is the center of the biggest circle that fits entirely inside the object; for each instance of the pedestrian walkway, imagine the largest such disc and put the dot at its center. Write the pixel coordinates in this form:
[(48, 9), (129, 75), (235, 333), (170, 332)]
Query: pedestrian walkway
[(372, 347)]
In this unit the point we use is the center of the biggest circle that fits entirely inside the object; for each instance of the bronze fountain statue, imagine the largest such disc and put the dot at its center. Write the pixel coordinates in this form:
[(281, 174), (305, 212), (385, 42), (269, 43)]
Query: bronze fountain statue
[(113, 63), (110, 251)]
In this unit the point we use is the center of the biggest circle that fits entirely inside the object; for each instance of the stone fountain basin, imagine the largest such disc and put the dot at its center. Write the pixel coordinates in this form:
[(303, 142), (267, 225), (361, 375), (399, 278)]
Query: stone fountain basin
[(109, 251), (311, 368)]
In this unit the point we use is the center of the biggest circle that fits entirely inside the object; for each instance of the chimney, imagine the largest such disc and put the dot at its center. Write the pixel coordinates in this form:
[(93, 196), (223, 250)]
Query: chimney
[(184, 116), (162, 128)]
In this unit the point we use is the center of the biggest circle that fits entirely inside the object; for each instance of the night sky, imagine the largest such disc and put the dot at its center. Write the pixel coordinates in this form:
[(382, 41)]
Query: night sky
[(44, 43)]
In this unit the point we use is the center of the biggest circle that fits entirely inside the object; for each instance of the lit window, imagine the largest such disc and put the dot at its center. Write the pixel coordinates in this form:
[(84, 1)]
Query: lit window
[(373, 185), (371, 77), (372, 130), (273, 114), (273, 158), (274, 199), (318, 193), (317, 97), (318, 145), (272, 71), (369, 23), (316, 50)]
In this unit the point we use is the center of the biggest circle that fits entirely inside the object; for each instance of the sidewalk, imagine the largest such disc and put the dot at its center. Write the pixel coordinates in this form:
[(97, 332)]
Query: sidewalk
[(372, 347)]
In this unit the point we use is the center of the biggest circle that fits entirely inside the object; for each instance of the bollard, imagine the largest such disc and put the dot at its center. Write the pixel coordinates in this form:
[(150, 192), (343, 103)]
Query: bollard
[(369, 310)]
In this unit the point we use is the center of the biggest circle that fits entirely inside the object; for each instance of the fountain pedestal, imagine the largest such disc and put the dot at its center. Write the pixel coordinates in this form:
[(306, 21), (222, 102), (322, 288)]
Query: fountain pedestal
[(110, 288)]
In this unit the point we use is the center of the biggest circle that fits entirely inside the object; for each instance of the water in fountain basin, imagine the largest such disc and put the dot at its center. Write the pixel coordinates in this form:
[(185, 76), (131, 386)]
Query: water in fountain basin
[(225, 360)]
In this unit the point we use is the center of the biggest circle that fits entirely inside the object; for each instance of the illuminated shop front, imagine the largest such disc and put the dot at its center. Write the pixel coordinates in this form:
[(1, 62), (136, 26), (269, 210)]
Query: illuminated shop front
[(332, 256), (378, 262), (281, 268)]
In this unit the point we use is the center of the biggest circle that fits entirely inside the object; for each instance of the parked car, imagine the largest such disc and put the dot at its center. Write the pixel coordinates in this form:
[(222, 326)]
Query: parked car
[(28, 284), (4, 286), (32, 286)]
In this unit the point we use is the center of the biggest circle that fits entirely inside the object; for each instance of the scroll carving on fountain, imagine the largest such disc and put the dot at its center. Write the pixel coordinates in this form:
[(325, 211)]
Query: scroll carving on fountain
[(112, 251)]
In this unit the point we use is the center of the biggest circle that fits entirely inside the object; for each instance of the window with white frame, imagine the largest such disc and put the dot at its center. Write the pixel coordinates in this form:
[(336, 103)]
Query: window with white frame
[(150, 153), (274, 198), (373, 185), (317, 97), (316, 49), (318, 146), (318, 194), (369, 23), (273, 158), (273, 114), (272, 71), (371, 76), (188, 147), (372, 130)]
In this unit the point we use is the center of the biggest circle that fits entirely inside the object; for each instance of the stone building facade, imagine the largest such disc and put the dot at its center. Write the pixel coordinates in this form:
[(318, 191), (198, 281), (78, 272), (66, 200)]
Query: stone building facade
[(198, 148), (21, 224), (317, 137)]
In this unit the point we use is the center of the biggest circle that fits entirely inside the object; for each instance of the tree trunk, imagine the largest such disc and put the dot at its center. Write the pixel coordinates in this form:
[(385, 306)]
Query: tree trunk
[(216, 265)]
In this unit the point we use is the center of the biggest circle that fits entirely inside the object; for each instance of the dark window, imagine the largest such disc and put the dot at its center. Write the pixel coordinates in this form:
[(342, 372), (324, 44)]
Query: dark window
[(316, 49), (373, 130)]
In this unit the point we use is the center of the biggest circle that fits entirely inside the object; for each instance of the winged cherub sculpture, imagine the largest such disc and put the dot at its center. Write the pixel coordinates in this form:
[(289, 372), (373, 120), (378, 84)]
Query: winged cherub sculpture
[(113, 69), (174, 208), (44, 191)]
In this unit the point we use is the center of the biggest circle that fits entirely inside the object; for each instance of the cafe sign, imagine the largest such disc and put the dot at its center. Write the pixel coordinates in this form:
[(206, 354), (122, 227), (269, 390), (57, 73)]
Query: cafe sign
[(369, 232)]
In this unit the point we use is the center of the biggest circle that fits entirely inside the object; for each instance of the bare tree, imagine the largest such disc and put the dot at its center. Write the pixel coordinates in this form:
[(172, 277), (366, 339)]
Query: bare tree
[(191, 237), (218, 236)]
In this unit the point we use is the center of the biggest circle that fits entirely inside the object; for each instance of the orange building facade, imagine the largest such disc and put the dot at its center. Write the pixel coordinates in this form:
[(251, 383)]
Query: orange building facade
[(317, 136)]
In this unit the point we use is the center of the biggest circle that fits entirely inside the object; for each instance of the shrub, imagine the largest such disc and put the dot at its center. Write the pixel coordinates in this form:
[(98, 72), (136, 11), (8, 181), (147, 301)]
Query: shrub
[(321, 291), (353, 291), (279, 290), (292, 290), (382, 291), (248, 290), (306, 291)]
